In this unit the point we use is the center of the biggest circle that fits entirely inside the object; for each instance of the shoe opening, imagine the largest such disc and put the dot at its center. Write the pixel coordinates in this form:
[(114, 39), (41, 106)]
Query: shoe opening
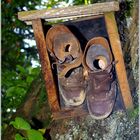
[(100, 63), (69, 73), (96, 64), (67, 48)]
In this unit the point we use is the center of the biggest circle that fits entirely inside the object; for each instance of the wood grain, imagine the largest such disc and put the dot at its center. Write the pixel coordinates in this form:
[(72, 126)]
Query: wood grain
[(118, 55), (45, 64), (69, 12), (71, 112)]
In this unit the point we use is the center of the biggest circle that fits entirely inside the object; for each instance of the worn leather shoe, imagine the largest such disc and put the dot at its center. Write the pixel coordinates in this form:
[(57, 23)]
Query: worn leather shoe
[(101, 91), (65, 49)]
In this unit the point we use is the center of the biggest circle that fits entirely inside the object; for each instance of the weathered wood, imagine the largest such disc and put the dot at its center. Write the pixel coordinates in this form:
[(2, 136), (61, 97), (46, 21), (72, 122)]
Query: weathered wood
[(45, 64), (70, 112), (118, 55), (74, 19), (69, 12)]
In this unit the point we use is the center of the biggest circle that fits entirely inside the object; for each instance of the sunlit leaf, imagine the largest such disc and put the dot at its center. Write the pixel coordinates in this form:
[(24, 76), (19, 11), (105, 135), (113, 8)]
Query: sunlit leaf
[(29, 79), (20, 123), (21, 69), (14, 91), (42, 130), (34, 135), (19, 137), (35, 71)]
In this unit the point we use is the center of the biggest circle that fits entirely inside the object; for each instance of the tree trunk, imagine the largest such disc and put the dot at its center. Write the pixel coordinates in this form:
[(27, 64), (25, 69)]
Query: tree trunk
[(118, 125)]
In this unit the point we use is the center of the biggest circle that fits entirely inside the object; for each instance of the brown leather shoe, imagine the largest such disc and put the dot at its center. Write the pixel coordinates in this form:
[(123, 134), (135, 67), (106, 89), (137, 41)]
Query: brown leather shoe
[(65, 49), (101, 91)]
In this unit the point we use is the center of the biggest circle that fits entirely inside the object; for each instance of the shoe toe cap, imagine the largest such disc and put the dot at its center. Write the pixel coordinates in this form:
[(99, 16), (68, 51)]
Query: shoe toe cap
[(100, 109)]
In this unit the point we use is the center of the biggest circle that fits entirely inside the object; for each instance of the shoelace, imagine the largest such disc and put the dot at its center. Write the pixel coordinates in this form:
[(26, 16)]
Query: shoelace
[(75, 63), (110, 72), (57, 61), (78, 84)]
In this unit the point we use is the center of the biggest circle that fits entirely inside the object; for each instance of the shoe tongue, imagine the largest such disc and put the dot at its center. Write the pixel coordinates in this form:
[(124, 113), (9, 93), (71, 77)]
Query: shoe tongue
[(100, 75), (100, 82), (75, 77)]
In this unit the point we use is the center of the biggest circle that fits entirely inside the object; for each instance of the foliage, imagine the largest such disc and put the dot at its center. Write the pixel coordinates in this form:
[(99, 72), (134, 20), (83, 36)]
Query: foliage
[(17, 55), (21, 124), (19, 137)]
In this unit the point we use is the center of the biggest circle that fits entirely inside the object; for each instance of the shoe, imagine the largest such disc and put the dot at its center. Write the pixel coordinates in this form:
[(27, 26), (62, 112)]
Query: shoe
[(65, 49), (101, 91)]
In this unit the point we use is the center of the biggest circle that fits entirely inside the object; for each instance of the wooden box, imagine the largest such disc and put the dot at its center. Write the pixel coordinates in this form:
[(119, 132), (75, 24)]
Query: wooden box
[(85, 22)]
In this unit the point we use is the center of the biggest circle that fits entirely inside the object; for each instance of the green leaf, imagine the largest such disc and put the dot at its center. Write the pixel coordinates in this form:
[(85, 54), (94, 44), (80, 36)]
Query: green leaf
[(29, 79), (20, 123), (21, 69), (35, 71), (19, 137), (34, 135), (42, 130), (13, 123), (10, 91), (15, 91)]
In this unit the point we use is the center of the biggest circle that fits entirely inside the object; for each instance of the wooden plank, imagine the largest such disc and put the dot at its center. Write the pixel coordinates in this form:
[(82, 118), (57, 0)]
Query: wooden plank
[(69, 12), (45, 64), (75, 19), (118, 55), (71, 112)]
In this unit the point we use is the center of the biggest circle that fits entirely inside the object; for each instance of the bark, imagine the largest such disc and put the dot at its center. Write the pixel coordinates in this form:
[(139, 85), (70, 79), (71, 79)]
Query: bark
[(129, 36), (118, 125)]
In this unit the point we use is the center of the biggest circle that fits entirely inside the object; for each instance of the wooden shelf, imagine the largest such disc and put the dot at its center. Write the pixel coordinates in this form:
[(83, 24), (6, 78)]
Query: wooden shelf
[(69, 12)]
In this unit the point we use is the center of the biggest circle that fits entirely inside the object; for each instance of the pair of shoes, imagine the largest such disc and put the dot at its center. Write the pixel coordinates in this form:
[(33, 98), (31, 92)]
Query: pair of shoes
[(88, 75)]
